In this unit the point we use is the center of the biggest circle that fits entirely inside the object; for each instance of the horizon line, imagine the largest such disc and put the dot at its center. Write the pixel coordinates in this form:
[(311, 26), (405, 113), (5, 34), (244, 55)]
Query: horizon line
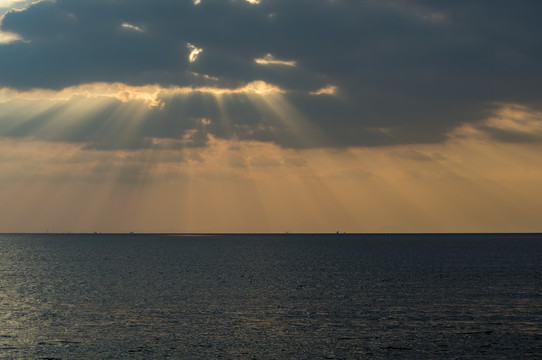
[(269, 233)]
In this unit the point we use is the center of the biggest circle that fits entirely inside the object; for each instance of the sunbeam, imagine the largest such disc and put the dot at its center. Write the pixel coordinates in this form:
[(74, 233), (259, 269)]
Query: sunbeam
[(120, 147), (323, 179)]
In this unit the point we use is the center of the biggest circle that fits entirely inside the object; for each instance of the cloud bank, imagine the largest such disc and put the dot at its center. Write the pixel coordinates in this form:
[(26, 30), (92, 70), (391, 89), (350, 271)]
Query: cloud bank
[(300, 74)]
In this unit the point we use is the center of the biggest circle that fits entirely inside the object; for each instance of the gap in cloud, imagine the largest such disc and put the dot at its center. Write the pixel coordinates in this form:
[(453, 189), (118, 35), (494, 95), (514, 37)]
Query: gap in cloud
[(269, 59), (507, 123), (328, 90), (136, 28), (194, 52)]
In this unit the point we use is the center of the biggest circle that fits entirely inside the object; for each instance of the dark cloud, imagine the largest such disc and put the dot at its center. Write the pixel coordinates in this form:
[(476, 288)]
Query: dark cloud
[(406, 72)]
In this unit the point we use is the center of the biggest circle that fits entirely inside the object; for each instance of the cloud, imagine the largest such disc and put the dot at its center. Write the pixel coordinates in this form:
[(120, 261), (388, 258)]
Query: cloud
[(360, 73), (264, 161), (411, 154), (509, 123), (269, 59)]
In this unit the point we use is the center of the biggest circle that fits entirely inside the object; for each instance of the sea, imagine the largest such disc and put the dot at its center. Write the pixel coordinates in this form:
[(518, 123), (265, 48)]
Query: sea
[(270, 296)]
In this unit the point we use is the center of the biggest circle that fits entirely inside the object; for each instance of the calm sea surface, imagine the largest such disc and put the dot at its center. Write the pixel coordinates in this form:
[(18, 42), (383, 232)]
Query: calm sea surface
[(270, 296)]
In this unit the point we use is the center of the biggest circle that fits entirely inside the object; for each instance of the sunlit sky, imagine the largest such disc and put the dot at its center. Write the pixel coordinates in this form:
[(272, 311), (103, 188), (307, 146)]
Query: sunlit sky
[(270, 116)]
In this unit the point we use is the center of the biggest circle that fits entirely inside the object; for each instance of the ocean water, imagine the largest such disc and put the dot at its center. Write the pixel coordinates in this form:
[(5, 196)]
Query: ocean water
[(271, 296)]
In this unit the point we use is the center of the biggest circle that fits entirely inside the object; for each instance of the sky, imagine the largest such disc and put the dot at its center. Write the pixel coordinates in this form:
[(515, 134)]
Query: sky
[(270, 116)]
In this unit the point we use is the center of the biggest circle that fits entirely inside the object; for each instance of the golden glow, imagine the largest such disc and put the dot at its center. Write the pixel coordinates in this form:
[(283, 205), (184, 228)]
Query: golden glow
[(151, 95), (269, 59), (17, 3), (253, 1), (147, 94), (6, 37), (260, 88), (251, 186), (470, 183), (194, 52), (7, 3)]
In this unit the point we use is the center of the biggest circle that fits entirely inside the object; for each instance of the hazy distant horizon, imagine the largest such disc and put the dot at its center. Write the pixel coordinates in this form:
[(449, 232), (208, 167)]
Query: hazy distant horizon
[(268, 233)]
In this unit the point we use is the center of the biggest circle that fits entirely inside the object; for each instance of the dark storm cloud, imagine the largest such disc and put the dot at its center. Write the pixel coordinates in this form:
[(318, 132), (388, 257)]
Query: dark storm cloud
[(406, 71)]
